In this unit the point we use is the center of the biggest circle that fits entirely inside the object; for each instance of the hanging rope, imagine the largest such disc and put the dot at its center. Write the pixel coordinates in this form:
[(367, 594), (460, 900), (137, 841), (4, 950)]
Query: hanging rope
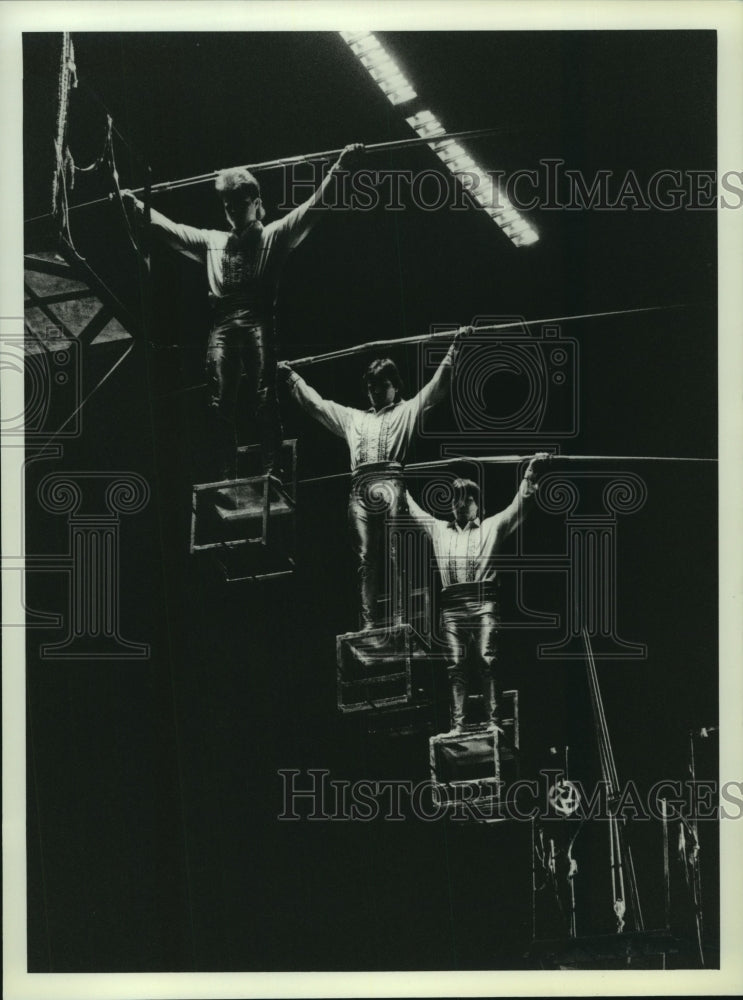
[(84, 86), (116, 193), (64, 166), (105, 161)]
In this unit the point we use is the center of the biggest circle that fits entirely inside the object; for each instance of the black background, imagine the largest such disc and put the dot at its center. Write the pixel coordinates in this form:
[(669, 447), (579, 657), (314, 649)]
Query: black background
[(153, 788)]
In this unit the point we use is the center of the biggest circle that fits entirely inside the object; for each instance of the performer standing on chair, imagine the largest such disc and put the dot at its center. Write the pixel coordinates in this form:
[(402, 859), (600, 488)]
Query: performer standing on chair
[(464, 548), (243, 268), (378, 440)]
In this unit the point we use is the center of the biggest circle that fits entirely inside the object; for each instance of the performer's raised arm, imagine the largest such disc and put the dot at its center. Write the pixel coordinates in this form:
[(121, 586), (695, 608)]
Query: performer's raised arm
[(513, 515), (188, 240), (438, 386), (241, 197), (331, 415), (297, 223), (422, 519)]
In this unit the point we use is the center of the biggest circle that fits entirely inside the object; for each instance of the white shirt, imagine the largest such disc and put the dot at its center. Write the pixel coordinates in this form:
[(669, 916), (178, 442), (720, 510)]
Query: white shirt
[(464, 555), (375, 435), (230, 268)]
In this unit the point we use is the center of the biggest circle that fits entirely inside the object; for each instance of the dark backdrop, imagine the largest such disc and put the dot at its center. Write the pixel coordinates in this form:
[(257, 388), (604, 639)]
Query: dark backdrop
[(153, 788)]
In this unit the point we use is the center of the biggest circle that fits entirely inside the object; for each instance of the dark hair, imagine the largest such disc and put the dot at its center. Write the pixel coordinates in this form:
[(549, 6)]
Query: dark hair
[(461, 487), (381, 369), (237, 182)]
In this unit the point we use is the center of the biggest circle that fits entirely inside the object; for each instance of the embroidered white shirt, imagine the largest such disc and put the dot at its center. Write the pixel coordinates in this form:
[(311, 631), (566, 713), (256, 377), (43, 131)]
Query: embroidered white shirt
[(465, 554), (230, 268), (375, 435)]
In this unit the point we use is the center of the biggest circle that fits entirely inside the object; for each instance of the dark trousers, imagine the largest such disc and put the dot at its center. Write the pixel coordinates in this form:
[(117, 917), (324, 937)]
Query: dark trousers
[(470, 630), (239, 343), (377, 498)]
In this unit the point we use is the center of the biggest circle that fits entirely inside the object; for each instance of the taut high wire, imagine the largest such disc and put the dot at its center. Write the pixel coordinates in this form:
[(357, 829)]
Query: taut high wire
[(377, 345), (516, 459)]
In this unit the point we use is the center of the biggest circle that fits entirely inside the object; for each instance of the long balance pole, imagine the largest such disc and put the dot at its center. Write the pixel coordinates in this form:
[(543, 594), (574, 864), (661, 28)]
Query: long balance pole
[(289, 161), (376, 345)]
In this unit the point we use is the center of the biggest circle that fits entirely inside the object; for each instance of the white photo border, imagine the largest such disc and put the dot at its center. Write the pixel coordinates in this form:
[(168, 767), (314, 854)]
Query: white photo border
[(726, 18)]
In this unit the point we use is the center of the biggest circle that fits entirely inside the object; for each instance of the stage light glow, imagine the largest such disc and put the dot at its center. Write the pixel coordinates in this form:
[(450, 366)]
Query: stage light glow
[(383, 71), (509, 216), (352, 36), (426, 124), (525, 239), (401, 96), (461, 164), (477, 183), (484, 193), (380, 65), (365, 44), (514, 228), (449, 150)]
